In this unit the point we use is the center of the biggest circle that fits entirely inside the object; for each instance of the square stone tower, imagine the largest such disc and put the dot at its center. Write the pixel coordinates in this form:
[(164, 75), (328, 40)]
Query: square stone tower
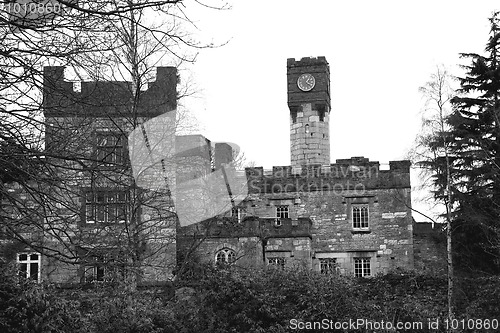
[(108, 219), (308, 86)]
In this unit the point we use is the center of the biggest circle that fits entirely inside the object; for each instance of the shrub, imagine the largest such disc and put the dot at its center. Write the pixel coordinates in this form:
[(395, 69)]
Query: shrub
[(26, 306)]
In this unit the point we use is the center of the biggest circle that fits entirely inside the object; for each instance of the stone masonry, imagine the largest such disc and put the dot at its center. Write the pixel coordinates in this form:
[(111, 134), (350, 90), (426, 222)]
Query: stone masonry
[(309, 112), (309, 214), (350, 217), (79, 125), (319, 225)]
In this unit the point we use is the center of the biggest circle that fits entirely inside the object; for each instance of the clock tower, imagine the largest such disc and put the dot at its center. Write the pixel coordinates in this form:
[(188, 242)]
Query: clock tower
[(308, 82)]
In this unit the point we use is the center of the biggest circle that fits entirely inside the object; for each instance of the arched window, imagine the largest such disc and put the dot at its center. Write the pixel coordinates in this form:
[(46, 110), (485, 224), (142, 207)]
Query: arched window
[(225, 256)]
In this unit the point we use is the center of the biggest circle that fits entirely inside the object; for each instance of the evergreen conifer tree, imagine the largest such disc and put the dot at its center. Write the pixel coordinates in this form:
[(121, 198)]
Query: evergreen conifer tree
[(474, 143)]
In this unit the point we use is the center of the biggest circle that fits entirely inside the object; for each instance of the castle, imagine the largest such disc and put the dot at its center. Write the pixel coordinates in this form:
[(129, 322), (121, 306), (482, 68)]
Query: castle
[(103, 219), (349, 216)]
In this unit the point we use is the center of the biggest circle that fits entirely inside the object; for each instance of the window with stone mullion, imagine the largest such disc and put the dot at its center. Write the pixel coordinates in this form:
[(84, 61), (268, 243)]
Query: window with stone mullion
[(277, 261), (282, 211), (362, 267), (110, 150), (328, 265), (360, 216), (105, 206), (225, 256)]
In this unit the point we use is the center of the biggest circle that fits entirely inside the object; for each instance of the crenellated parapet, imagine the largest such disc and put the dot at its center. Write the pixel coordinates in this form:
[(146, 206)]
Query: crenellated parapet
[(320, 69), (308, 87), (356, 173), (61, 98)]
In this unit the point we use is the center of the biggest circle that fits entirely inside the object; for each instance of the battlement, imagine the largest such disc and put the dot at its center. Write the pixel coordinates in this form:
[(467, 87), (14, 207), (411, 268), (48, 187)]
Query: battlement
[(309, 110), (107, 98), (251, 226), (290, 62), (343, 168), (345, 174)]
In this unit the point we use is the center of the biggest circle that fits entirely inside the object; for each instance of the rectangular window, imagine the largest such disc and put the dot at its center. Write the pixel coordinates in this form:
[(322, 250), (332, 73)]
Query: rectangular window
[(277, 262), (362, 267), (95, 269), (328, 265), (282, 212), (100, 268), (103, 206), (94, 273), (29, 265), (360, 216), (110, 150), (236, 213)]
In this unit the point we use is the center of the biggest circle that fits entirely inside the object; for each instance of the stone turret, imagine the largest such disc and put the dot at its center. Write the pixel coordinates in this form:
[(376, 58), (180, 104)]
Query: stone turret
[(308, 82)]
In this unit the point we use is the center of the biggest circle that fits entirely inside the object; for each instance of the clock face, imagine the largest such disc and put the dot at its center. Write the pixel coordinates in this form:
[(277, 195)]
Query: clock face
[(306, 82)]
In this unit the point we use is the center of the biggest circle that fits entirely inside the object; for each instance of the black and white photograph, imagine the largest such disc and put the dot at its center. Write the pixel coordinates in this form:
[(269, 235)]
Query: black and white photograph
[(185, 166)]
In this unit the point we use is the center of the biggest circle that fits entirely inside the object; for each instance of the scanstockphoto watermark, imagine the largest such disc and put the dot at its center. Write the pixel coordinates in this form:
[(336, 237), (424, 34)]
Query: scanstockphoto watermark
[(353, 325), (336, 171), (159, 164), (31, 8), (324, 186), (35, 14), (368, 325)]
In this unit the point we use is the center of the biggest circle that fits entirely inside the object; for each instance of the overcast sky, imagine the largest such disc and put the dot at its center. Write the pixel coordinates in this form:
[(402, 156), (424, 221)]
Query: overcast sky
[(380, 53)]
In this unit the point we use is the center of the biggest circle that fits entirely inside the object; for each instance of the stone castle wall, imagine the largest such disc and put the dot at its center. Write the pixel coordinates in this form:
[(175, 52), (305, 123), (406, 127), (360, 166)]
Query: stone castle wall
[(355, 174), (320, 200), (108, 98), (430, 248), (74, 119)]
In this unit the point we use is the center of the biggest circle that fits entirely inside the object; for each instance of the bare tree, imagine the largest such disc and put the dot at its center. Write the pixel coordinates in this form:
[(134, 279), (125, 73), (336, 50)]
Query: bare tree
[(432, 155), (49, 147)]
